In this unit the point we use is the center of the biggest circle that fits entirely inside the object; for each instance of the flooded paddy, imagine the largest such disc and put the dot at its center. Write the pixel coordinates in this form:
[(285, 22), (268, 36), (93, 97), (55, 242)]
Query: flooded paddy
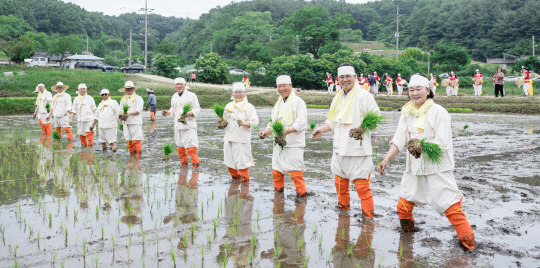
[(72, 207)]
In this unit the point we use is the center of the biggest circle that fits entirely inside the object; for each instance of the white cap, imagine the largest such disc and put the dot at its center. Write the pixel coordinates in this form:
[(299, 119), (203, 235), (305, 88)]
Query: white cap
[(375, 72), (104, 91), (398, 74), (83, 85), (344, 70), (179, 80), (41, 85), (418, 80), (477, 70), (238, 86), (283, 79)]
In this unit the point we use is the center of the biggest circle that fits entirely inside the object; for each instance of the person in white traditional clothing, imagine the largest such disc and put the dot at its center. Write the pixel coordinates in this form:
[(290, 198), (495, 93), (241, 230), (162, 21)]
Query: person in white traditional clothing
[(107, 117), (399, 85), (185, 125), (455, 81), (351, 159), (60, 109), (478, 88), (132, 120), (84, 107), (433, 83), (424, 182), (44, 97), (240, 116), (290, 110)]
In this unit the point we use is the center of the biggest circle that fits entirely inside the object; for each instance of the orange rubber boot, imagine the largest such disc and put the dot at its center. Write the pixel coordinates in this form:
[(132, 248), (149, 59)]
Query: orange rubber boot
[(235, 174), (279, 181), (59, 130), (194, 157), (138, 147), (153, 116), (69, 134), (182, 154), (83, 140), (457, 217), (299, 183), (90, 139), (131, 147), (366, 197), (405, 210), (342, 190), (48, 129), (244, 175)]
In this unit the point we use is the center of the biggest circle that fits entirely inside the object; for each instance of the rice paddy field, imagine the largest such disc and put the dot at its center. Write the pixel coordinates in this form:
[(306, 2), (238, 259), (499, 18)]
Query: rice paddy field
[(64, 206)]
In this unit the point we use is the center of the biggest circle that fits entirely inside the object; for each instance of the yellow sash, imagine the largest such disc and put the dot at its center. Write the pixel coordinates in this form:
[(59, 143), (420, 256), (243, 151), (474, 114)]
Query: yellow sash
[(231, 106), (104, 103), (128, 99), (58, 95), (420, 113), (287, 116), (40, 97), (344, 114)]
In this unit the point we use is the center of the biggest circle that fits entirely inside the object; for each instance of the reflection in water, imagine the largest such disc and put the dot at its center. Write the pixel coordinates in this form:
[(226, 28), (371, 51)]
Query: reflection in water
[(187, 196), (405, 250), (348, 254), (86, 181), (109, 181), (132, 190), (289, 244), (63, 176), (239, 211)]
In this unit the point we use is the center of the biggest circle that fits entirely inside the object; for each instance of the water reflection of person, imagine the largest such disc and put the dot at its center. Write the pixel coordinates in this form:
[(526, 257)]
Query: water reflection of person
[(187, 198), (63, 177), (289, 227), (87, 178), (362, 253), (132, 190), (239, 211), (109, 181), (44, 164)]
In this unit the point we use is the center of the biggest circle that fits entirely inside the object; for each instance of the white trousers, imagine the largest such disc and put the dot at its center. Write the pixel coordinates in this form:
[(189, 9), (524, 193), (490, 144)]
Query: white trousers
[(330, 88), (389, 90), (433, 89), (375, 89), (352, 167), (288, 159), (108, 135), (237, 155), (454, 91), (477, 90), (526, 89), (186, 138), (83, 127), (62, 121), (133, 132), (400, 90)]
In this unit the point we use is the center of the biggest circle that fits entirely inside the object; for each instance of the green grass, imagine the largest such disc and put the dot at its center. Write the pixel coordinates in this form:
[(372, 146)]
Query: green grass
[(317, 106), (386, 108), (459, 110)]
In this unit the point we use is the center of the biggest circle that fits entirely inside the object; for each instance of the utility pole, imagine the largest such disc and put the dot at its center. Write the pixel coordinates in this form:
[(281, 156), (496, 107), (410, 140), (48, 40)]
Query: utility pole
[(397, 33), (130, 46), (533, 45), (210, 47), (87, 51), (297, 45), (145, 33)]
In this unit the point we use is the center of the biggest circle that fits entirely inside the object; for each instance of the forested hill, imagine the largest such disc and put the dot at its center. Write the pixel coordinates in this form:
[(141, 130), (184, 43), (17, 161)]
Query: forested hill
[(486, 27)]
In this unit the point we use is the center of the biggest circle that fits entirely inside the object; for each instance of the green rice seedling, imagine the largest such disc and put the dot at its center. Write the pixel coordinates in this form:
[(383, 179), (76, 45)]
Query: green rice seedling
[(125, 108), (219, 110), (250, 256), (313, 227), (320, 240), (312, 126), (432, 151), (278, 129), (306, 262), (349, 249), (202, 251), (50, 218), (167, 149), (330, 255), (15, 263), (143, 236), (215, 223), (277, 251), (371, 121), (209, 238), (192, 229), (253, 240), (186, 109), (121, 127), (62, 263), (56, 135), (465, 127), (299, 245), (173, 257), (400, 250), (102, 232), (95, 261), (48, 107), (381, 260), (278, 264), (84, 246), (15, 250), (184, 241), (342, 233), (224, 261)]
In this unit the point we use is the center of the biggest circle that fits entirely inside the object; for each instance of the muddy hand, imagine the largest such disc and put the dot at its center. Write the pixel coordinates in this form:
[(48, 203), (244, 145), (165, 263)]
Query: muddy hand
[(381, 167), (317, 133)]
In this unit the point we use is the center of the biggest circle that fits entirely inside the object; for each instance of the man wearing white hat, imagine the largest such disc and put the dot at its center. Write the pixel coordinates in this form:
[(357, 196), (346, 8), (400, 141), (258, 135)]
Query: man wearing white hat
[(185, 125), (240, 115), (478, 88), (44, 97), (351, 159), (107, 117), (290, 110), (134, 103), (60, 109), (84, 107)]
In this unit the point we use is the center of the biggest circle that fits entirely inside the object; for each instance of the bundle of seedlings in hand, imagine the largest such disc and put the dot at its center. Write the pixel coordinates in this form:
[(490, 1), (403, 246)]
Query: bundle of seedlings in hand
[(219, 110), (125, 109), (432, 151), (121, 127), (371, 121), (278, 129), (56, 135), (465, 127), (167, 150), (186, 109), (312, 126), (48, 107)]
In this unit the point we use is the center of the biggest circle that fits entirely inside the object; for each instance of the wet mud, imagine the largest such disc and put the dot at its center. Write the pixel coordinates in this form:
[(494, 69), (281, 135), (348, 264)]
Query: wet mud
[(74, 207)]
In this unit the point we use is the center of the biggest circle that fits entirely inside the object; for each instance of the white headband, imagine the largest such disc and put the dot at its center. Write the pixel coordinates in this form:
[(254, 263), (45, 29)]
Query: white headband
[(238, 86), (283, 79), (81, 86), (179, 80), (344, 70), (418, 80), (41, 85)]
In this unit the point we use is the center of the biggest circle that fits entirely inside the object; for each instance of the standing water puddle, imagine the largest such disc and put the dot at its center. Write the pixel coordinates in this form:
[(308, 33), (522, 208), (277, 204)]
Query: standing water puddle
[(75, 207)]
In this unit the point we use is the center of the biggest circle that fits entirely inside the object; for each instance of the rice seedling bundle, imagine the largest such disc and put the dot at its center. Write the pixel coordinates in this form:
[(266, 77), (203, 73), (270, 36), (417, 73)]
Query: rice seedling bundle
[(432, 151), (186, 109), (48, 107), (312, 126), (219, 110), (125, 109), (371, 121), (278, 129), (56, 135), (167, 149)]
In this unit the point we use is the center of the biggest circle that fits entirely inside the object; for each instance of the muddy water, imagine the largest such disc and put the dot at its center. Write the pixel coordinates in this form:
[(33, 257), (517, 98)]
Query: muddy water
[(75, 207)]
